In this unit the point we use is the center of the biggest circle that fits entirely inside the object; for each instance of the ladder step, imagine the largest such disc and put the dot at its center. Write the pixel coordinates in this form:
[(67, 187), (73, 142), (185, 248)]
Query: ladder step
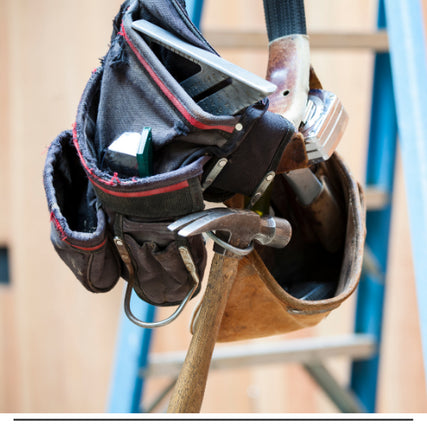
[(356, 346), (377, 41), (376, 198), (345, 400)]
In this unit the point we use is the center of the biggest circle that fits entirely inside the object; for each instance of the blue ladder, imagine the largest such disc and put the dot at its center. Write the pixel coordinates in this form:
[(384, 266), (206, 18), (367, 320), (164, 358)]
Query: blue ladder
[(398, 110)]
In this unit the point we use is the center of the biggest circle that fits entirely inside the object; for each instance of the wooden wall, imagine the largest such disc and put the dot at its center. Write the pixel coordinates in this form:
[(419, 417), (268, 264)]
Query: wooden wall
[(57, 341)]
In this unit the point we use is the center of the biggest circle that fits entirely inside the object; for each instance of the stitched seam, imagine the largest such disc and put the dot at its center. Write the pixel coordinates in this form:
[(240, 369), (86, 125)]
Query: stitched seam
[(144, 193), (93, 248), (58, 226), (113, 181), (64, 236), (88, 279)]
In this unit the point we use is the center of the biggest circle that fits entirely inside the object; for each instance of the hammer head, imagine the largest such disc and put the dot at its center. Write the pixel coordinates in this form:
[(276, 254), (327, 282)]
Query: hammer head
[(323, 125), (242, 226)]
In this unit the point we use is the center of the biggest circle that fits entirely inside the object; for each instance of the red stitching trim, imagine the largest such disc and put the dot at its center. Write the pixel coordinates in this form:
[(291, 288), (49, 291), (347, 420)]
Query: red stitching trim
[(146, 193), (58, 226), (168, 93), (64, 236), (96, 180), (112, 182), (115, 178), (94, 248)]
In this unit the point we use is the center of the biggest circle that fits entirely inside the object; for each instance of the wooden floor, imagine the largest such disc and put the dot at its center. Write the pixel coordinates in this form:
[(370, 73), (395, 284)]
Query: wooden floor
[(57, 341)]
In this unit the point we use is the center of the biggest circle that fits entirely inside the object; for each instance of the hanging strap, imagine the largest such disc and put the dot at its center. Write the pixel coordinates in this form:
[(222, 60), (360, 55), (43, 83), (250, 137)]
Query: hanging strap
[(284, 17), (289, 50)]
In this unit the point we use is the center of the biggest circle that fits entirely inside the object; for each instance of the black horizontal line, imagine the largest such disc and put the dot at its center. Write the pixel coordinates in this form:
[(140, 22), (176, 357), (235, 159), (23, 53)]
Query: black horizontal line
[(214, 419)]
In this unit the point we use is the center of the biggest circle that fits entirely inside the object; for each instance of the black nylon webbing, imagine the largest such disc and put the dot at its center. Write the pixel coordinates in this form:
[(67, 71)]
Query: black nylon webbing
[(284, 17)]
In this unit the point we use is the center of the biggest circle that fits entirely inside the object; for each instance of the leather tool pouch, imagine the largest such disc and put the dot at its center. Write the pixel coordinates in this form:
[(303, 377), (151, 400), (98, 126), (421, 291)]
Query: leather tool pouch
[(281, 290)]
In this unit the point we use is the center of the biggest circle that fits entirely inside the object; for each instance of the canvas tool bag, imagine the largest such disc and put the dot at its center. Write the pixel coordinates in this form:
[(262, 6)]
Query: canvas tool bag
[(109, 222)]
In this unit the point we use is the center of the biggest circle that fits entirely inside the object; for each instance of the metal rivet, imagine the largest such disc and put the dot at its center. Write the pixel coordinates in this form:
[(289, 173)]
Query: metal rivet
[(257, 196), (222, 163), (238, 127)]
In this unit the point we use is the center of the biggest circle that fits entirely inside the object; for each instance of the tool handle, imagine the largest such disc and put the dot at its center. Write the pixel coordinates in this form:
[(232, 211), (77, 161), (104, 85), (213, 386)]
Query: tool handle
[(327, 218), (189, 390)]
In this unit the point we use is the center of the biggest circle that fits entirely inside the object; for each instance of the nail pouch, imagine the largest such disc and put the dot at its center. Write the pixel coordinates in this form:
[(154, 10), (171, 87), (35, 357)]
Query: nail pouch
[(78, 224)]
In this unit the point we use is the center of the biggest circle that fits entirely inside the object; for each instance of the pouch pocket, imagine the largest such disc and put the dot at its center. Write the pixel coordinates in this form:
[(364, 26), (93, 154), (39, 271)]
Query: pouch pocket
[(160, 275), (90, 256), (79, 228), (277, 291)]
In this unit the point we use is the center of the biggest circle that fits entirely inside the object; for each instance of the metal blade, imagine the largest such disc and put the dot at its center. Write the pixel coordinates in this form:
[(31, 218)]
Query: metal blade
[(247, 88)]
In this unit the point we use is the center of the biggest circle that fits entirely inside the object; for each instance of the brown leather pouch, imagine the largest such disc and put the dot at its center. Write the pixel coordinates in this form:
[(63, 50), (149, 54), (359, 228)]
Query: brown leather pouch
[(281, 290)]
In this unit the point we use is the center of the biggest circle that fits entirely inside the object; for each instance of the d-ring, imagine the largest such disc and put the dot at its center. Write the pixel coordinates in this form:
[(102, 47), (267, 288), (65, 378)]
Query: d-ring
[(189, 264), (230, 248)]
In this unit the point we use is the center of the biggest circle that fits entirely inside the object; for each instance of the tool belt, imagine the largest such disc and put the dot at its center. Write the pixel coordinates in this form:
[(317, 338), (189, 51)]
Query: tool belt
[(109, 222), (110, 218)]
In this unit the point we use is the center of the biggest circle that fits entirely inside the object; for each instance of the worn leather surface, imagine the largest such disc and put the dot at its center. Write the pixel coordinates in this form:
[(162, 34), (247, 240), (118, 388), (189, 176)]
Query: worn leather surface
[(259, 306)]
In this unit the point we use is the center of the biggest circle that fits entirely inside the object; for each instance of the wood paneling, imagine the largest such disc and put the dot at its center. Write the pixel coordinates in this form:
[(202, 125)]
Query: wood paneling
[(57, 341), (4, 128)]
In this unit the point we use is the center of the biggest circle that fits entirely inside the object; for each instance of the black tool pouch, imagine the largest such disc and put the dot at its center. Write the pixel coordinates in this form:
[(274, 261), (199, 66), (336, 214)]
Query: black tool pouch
[(101, 244), (125, 214), (141, 85), (139, 210)]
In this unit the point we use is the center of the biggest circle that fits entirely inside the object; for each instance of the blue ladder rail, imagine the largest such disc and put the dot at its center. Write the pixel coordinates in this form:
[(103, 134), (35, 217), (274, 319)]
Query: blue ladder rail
[(379, 174), (398, 110), (409, 65), (132, 350)]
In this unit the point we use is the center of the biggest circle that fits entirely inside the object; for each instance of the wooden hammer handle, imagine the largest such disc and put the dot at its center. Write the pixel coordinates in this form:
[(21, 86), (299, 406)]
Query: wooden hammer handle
[(189, 390)]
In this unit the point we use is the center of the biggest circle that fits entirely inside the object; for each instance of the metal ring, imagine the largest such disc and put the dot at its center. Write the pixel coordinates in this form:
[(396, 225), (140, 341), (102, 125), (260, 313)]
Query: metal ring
[(189, 264), (233, 249)]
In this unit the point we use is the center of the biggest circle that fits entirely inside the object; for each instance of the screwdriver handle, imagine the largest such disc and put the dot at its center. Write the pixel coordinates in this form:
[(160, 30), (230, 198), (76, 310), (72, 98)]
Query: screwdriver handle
[(327, 218)]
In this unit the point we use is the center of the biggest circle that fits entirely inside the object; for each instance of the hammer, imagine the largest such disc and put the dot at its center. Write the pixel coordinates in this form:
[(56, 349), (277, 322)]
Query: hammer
[(242, 228)]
